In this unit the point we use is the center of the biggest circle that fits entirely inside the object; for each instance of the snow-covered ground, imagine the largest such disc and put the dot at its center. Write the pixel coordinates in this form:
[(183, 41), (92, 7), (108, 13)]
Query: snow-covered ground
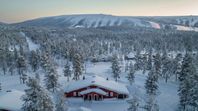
[(167, 98)]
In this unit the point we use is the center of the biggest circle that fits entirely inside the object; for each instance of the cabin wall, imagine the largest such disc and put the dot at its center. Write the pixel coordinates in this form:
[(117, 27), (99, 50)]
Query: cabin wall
[(111, 94)]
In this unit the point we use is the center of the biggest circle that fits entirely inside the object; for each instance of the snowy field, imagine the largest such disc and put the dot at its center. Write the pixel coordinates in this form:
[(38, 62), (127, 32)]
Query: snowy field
[(167, 97)]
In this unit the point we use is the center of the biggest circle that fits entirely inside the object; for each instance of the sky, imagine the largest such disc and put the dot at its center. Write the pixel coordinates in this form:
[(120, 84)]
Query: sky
[(12, 11)]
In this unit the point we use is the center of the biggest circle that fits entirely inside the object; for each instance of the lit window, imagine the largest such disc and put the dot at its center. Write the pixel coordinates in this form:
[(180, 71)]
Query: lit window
[(74, 93), (111, 94)]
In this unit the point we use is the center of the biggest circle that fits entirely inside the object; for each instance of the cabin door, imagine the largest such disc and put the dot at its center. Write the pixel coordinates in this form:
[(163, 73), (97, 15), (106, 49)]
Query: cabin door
[(90, 97), (96, 97)]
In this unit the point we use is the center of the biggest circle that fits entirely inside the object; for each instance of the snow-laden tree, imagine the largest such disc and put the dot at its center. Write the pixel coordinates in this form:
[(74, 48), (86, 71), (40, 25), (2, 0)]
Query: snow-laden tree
[(166, 67), (144, 63), (194, 93), (67, 71), (151, 84), (11, 69), (4, 66), (77, 66), (177, 66), (133, 104), (151, 104), (21, 64), (115, 67), (61, 103), (0, 87), (45, 61), (131, 74), (51, 79), (150, 58), (157, 65), (187, 82), (138, 61), (34, 60), (36, 98)]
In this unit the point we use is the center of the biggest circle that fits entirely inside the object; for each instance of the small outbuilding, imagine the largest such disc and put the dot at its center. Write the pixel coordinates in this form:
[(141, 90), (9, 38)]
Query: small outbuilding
[(96, 88)]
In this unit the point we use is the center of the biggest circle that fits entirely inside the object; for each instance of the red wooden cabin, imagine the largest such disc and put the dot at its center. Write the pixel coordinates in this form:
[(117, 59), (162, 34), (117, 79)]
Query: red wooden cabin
[(96, 88)]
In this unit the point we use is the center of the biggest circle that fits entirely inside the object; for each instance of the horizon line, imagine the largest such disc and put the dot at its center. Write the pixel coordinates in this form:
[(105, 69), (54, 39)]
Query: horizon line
[(78, 14)]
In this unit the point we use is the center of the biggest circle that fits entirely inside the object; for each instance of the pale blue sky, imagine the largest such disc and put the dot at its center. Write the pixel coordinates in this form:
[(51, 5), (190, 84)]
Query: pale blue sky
[(20, 10)]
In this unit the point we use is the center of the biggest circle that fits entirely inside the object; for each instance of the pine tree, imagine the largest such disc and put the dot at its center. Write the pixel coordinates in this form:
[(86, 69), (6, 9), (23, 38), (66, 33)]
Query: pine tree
[(21, 64), (34, 61), (77, 66), (149, 63), (138, 62), (36, 98), (151, 104), (67, 71), (194, 93), (151, 83), (4, 66), (166, 67), (131, 73), (133, 104), (145, 63), (186, 78), (11, 69), (61, 101), (157, 65), (51, 79), (45, 61), (115, 67), (0, 87)]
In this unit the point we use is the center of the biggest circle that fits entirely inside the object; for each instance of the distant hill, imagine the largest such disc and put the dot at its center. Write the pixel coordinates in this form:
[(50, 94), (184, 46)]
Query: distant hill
[(100, 20)]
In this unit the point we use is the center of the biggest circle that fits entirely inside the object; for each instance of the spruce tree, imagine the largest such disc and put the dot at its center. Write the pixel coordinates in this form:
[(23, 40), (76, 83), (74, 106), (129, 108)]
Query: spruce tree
[(149, 62), (36, 98), (151, 104), (133, 104), (138, 61), (157, 65), (0, 87), (67, 71), (151, 85), (116, 67), (45, 61), (194, 93), (34, 61), (21, 64), (166, 68), (51, 79), (77, 66), (186, 83), (131, 74)]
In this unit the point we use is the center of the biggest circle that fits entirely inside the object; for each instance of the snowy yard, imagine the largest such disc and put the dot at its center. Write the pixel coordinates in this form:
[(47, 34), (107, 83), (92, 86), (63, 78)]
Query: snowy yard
[(167, 98)]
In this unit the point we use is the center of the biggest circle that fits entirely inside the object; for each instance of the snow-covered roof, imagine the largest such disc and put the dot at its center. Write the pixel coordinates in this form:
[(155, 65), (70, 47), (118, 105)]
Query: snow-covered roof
[(97, 81), (96, 90), (11, 100)]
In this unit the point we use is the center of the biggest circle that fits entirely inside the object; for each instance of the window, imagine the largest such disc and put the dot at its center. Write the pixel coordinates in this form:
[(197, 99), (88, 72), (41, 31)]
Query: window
[(111, 94), (74, 93)]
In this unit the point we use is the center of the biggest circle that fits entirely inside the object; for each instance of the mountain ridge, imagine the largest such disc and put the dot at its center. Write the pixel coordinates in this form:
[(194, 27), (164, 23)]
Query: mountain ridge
[(186, 23)]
